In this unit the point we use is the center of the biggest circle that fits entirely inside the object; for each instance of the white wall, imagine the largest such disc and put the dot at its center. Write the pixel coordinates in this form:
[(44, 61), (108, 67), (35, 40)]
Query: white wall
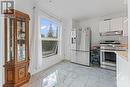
[(67, 27), (1, 50), (75, 24)]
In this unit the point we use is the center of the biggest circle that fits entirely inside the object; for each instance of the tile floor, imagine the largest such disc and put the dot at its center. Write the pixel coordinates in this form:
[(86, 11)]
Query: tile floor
[(72, 75)]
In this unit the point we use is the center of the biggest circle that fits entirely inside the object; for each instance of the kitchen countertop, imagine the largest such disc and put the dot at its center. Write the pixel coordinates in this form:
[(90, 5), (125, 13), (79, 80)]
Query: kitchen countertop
[(123, 54)]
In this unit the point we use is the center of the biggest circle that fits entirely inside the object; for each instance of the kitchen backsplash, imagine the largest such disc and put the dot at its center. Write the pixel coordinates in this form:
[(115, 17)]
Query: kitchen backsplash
[(123, 39)]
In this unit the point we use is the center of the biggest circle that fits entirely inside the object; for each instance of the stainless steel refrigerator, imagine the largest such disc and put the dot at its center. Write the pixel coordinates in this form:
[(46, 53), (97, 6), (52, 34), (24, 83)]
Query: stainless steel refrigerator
[(81, 54)]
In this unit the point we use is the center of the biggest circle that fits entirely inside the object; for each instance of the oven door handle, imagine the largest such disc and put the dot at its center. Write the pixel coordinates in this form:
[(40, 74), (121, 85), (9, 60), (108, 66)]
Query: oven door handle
[(107, 51)]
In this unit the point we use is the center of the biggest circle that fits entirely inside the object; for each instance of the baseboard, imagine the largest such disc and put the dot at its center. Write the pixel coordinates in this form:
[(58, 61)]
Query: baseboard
[(80, 64), (65, 60)]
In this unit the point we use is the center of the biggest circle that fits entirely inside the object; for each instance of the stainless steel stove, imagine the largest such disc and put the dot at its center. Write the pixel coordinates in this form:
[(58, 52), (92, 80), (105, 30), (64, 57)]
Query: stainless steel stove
[(107, 53)]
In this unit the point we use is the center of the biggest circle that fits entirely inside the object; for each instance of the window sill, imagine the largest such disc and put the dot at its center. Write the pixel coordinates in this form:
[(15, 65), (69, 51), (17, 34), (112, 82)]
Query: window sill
[(48, 56)]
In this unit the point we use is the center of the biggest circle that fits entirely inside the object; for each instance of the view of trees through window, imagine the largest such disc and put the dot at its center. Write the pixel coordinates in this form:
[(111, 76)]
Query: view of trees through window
[(49, 35), (48, 29)]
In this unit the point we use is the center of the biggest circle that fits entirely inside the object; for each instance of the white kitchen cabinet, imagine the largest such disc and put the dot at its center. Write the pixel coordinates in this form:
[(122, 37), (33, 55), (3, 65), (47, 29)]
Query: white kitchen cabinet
[(104, 26), (125, 26), (116, 24), (122, 72)]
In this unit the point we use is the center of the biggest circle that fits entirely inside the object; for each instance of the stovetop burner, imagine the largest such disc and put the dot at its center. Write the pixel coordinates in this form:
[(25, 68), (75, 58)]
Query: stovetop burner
[(110, 42)]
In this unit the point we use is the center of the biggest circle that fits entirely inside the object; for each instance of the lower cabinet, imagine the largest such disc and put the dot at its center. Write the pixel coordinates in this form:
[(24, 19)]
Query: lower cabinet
[(122, 72), (16, 75)]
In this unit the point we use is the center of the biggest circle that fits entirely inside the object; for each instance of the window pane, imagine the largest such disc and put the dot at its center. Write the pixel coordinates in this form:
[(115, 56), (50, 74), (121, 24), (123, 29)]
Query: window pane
[(48, 29), (49, 48)]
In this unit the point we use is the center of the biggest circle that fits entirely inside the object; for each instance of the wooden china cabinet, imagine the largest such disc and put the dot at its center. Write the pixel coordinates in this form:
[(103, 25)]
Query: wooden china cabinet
[(16, 49)]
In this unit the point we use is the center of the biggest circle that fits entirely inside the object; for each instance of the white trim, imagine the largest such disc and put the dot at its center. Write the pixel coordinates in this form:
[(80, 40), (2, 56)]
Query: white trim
[(42, 15), (50, 39)]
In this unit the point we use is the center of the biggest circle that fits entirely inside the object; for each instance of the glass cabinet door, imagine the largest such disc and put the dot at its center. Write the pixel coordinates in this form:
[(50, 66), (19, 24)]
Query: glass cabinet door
[(20, 40), (10, 28)]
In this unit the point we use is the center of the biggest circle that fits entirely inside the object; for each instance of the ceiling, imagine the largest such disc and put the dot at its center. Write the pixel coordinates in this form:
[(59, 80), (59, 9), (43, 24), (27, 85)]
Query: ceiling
[(79, 9)]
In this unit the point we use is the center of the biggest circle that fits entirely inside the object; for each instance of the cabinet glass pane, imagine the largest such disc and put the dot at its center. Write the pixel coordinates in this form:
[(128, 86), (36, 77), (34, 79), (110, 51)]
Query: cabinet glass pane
[(10, 39), (20, 40)]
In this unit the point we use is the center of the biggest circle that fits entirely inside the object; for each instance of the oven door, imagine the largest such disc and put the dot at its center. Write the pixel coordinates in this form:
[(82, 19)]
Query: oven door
[(108, 57)]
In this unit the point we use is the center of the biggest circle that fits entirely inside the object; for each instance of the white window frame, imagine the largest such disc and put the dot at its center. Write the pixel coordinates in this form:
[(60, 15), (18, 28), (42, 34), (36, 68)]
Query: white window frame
[(51, 39)]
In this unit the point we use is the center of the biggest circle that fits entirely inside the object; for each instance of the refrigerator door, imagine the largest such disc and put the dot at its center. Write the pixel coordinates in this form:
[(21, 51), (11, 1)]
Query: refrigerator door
[(83, 58), (87, 40), (84, 42), (83, 47)]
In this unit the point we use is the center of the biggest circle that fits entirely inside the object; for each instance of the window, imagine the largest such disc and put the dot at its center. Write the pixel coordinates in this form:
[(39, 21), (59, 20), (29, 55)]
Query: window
[(49, 37)]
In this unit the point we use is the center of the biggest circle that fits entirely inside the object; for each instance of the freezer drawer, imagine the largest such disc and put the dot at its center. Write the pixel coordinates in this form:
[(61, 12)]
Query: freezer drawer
[(81, 57)]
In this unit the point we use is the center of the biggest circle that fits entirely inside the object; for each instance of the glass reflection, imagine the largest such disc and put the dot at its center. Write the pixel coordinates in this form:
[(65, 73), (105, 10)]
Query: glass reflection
[(20, 40), (51, 80)]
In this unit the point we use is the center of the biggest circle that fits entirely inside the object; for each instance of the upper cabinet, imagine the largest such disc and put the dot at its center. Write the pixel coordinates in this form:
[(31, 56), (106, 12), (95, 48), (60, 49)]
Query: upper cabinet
[(125, 26), (104, 26), (116, 24)]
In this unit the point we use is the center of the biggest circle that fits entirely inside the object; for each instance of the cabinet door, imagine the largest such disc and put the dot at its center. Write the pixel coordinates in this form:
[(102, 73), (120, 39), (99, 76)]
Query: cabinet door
[(116, 24), (122, 72), (104, 26), (21, 40), (125, 26)]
